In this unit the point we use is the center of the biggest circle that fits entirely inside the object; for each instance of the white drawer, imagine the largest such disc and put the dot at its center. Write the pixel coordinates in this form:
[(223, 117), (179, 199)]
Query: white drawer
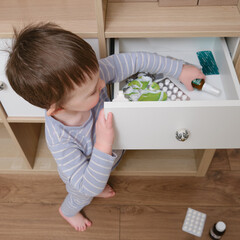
[(14, 105), (213, 122)]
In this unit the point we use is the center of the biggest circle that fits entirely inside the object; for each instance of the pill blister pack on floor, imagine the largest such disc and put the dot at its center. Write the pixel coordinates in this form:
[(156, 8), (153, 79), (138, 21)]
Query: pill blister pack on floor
[(194, 222), (174, 93)]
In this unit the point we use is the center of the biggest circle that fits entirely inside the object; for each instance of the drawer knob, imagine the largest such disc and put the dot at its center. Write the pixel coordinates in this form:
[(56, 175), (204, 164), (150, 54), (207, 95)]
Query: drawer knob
[(2, 85), (182, 135)]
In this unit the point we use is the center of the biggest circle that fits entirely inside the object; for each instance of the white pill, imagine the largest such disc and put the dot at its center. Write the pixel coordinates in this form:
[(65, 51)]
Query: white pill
[(180, 93), (169, 93), (146, 79), (184, 97), (141, 74), (175, 89), (171, 85), (165, 89), (161, 85), (167, 81), (173, 97)]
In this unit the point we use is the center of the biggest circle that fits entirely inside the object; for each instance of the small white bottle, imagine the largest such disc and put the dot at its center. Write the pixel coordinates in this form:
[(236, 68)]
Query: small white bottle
[(200, 84), (217, 231)]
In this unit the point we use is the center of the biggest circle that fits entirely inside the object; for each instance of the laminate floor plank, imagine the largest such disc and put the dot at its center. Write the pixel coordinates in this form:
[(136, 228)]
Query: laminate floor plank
[(164, 223), (20, 221), (220, 161), (217, 188), (234, 159), (31, 188)]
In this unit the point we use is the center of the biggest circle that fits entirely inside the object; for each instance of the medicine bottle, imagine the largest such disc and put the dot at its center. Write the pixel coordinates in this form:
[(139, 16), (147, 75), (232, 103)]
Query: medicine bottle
[(200, 84), (217, 230)]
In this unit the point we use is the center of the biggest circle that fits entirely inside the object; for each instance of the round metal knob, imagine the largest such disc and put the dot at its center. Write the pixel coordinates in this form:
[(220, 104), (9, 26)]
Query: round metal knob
[(2, 85), (182, 135)]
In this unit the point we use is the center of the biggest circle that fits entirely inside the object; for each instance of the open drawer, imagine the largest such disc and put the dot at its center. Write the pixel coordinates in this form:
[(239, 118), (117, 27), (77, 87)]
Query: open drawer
[(212, 122)]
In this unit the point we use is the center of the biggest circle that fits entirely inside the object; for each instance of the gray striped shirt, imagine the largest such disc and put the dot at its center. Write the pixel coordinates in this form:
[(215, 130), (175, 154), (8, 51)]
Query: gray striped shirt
[(79, 164)]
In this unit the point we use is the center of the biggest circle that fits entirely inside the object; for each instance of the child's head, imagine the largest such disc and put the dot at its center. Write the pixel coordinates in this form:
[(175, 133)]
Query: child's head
[(46, 62)]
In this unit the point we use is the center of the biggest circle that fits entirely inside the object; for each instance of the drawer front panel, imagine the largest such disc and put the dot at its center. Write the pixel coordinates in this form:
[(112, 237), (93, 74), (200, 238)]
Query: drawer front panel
[(155, 127), (14, 105)]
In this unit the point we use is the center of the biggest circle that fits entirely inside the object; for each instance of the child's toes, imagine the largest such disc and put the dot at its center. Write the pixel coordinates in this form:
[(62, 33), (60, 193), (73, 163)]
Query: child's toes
[(88, 223), (83, 228)]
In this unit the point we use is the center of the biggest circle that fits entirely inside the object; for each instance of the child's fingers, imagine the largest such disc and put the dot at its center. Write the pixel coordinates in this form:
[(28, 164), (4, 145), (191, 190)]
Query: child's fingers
[(189, 87), (109, 121), (201, 75), (101, 117)]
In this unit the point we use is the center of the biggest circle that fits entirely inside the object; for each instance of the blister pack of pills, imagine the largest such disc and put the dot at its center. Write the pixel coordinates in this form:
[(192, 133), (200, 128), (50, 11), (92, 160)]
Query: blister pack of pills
[(148, 87), (194, 222), (174, 93)]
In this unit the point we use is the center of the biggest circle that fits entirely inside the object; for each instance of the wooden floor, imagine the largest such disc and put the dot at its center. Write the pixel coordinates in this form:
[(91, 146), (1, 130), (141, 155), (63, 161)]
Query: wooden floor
[(144, 208)]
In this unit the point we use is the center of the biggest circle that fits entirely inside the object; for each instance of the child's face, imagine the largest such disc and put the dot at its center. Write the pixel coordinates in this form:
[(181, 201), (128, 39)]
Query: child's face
[(86, 96)]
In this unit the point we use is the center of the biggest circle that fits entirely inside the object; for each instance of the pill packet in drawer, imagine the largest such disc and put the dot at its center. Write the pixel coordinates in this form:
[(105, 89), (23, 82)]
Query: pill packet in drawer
[(174, 93), (147, 87)]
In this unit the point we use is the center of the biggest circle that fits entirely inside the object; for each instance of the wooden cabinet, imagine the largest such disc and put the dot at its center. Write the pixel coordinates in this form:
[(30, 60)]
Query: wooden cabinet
[(177, 3), (217, 2), (22, 143)]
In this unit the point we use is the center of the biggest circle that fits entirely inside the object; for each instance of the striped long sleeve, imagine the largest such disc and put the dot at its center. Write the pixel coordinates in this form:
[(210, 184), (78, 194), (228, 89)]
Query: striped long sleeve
[(116, 68)]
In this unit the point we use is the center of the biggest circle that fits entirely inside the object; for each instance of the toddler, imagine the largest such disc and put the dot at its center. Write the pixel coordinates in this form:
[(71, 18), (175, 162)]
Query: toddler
[(56, 70)]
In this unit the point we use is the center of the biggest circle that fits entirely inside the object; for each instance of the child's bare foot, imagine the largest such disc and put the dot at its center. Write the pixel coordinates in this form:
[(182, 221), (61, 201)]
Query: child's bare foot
[(79, 222), (107, 192)]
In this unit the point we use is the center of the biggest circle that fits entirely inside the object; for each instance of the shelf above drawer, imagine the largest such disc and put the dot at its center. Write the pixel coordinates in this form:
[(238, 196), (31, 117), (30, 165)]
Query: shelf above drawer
[(76, 16), (148, 20)]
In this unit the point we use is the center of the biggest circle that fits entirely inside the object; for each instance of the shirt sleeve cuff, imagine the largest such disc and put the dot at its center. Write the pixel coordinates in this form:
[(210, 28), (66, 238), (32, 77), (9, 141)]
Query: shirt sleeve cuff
[(104, 158)]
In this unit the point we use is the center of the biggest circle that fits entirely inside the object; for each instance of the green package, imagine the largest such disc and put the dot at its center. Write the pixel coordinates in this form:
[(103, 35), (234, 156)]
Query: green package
[(208, 63)]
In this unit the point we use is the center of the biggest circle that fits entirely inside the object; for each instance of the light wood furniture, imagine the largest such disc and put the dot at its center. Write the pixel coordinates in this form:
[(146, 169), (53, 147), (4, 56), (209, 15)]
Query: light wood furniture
[(22, 145), (179, 3)]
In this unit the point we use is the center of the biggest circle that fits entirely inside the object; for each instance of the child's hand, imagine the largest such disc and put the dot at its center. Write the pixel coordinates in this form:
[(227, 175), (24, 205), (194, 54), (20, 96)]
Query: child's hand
[(104, 133), (188, 74)]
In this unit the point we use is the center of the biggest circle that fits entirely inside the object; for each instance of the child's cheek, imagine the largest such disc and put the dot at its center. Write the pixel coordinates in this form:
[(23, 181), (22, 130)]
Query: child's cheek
[(95, 101)]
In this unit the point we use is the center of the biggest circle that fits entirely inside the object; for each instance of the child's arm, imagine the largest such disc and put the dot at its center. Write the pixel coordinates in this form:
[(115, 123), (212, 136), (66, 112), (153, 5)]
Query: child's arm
[(87, 176), (116, 68)]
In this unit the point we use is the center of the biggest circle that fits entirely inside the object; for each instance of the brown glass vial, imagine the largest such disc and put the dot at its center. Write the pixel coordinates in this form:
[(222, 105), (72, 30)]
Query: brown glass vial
[(201, 85), (217, 231)]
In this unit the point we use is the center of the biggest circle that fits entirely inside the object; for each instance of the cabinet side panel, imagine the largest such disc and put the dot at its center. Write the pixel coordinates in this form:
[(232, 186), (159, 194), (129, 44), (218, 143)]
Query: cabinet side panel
[(218, 2), (177, 3)]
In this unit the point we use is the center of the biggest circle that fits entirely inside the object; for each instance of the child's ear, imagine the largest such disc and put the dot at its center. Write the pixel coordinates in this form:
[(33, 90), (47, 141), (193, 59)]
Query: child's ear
[(53, 110)]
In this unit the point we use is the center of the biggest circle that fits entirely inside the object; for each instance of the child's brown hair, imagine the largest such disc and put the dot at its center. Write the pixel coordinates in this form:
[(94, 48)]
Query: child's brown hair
[(46, 61)]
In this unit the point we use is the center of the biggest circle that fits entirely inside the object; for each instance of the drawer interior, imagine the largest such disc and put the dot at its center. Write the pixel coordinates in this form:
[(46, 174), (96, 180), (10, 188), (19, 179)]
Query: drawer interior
[(185, 49)]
